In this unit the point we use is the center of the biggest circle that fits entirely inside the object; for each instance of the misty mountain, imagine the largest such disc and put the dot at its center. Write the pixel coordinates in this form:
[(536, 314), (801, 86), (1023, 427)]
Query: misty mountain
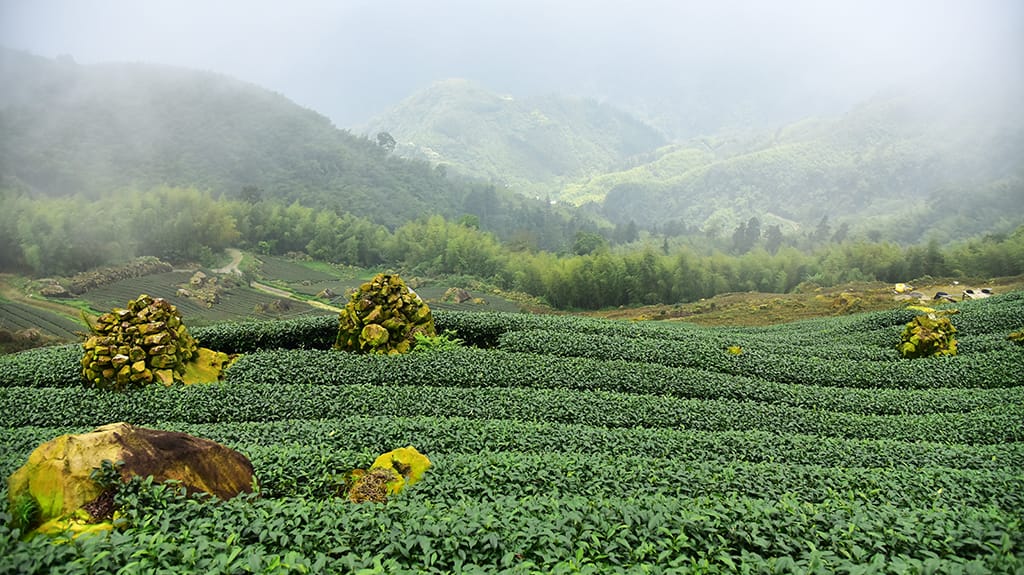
[(75, 129), (937, 161), (899, 166), (531, 144)]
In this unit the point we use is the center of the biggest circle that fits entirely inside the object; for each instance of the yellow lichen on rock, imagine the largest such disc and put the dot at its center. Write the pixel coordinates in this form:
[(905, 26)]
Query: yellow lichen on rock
[(206, 367), (407, 461), (390, 474), (57, 474), (78, 523)]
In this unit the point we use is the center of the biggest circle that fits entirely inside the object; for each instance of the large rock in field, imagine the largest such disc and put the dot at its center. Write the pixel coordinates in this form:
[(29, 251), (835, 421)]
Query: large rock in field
[(383, 316), (56, 476), (457, 295), (145, 342)]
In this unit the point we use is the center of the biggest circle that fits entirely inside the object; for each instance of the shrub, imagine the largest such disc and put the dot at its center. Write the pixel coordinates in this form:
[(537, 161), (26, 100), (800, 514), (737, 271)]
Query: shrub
[(442, 342)]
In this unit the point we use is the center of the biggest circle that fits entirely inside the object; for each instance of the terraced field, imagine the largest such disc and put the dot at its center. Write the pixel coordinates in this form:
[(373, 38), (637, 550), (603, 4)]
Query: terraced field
[(236, 303), (573, 445), (16, 316), (310, 278)]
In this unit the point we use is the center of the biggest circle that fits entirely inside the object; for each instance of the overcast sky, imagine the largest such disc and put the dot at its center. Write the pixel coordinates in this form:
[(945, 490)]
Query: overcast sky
[(351, 59)]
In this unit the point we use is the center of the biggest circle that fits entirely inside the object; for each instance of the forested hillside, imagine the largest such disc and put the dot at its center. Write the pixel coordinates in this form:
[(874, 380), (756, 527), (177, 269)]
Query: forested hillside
[(532, 144), (103, 163), (903, 166), (89, 130), (898, 167)]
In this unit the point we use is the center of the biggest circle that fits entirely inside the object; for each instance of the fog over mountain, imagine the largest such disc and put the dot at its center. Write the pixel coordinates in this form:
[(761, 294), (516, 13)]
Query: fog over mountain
[(686, 67)]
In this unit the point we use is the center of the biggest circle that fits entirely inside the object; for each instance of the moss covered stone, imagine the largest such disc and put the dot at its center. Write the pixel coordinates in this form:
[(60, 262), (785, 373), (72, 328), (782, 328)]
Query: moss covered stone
[(383, 316), (147, 342), (128, 345), (57, 486), (390, 474), (928, 335)]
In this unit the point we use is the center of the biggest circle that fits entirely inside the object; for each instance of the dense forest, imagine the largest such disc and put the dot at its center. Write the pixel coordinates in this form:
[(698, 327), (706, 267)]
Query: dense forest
[(65, 235)]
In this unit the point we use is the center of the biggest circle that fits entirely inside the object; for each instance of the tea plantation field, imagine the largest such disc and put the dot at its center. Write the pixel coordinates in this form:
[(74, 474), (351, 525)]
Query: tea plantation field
[(571, 445)]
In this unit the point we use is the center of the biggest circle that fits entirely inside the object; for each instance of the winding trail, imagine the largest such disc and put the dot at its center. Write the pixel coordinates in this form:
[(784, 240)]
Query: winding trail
[(231, 268)]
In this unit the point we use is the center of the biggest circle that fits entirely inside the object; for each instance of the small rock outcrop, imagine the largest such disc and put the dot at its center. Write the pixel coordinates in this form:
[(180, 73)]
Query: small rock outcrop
[(383, 316), (203, 289), (54, 290), (144, 266), (57, 479), (390, 474), (457, 295), (928, 334), (142, 343)]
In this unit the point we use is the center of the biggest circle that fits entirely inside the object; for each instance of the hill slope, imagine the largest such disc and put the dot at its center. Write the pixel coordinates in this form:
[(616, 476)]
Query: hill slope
[(529, 143), (69, 128), (911, 169), (562, 444)]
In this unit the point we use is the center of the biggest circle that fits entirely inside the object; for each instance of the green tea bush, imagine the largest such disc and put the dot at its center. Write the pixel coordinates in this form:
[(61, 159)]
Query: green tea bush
[(373, 434), (311, 470), (983, 370), (551, 533), (577, 446), (249, 402), (470, 367), (313, 332), (56, 366), (446, 341)]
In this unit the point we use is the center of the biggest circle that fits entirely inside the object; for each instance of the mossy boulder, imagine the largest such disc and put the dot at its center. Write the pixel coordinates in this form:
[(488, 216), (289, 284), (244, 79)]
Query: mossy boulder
[(146, 342), (383, 316), (456, 295), (390, 474), (54, 490), (928, 335)]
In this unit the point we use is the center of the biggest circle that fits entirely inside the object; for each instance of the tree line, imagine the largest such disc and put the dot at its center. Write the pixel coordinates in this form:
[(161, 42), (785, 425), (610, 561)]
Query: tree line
[(593, 269)]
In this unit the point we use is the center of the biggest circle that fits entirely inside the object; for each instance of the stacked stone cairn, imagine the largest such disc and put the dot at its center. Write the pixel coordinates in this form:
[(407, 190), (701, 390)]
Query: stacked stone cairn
[(383, 316), (143, 343)]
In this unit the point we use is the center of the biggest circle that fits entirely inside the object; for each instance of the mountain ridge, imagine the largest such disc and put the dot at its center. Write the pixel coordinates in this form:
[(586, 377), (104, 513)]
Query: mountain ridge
[(90, 129), (891, 167), (529, 143), (896, 167)]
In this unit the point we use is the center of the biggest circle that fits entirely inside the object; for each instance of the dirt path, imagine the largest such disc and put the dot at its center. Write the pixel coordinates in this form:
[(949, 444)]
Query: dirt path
[(231, 268), (288, 295), (272, 290)]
